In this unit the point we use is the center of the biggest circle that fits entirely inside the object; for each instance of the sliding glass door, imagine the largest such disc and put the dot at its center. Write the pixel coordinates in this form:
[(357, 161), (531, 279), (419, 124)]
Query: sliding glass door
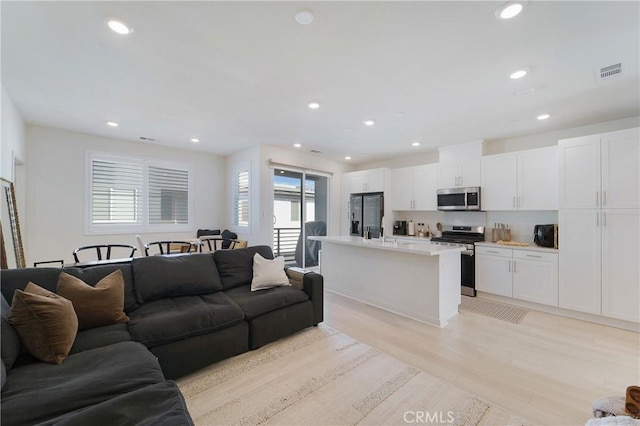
[(300, 210)]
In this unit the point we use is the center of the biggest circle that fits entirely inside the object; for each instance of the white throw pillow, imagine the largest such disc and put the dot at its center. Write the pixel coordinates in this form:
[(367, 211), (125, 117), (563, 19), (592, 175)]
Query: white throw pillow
[(268, 273)]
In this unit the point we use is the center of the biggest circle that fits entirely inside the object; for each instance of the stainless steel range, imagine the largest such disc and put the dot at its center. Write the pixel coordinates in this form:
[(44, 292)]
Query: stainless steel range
[(463, 236)]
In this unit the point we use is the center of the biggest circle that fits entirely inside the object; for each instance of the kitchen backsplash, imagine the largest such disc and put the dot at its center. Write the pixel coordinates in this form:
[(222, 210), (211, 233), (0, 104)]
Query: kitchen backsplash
[(520, 222)]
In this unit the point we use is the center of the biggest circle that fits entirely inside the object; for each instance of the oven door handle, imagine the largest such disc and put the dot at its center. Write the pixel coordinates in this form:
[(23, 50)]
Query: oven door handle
[(467, 253)]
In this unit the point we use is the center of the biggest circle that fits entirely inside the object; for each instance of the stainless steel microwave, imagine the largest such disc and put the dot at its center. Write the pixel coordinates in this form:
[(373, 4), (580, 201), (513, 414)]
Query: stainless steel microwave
[(459, 199)]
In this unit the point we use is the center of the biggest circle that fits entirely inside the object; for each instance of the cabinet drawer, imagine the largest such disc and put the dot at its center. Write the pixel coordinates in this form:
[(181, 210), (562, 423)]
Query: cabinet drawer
[(535, 255), (494, 251)]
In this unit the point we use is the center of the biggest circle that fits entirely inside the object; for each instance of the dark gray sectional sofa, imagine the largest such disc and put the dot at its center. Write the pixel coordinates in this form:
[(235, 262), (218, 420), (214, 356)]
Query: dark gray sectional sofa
[(185, 312)]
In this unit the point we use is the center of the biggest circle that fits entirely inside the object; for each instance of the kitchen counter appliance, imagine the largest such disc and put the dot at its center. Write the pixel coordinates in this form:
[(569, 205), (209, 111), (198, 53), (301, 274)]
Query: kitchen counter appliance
[(400, 227), (546, 235), (459, 199), (463, 236)]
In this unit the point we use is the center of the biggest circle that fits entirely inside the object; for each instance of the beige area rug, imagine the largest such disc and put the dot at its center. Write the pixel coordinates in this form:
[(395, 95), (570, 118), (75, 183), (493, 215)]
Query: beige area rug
[(322, 377), (493, 309)]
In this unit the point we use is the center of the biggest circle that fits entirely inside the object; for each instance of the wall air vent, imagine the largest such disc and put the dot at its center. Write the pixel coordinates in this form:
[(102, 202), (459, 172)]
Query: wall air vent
[(611, 72)]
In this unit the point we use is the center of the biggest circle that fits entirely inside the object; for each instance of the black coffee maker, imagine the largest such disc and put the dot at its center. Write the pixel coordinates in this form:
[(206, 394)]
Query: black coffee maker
[(400, 227)]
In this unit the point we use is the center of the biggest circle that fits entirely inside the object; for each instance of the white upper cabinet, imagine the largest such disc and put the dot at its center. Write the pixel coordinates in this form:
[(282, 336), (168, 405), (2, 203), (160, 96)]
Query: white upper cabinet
[(402, 189), (620, 161), (364, 181), (600, 170), (525, 180), (499, 182), (538, 179), (460, 174), (414, 188)]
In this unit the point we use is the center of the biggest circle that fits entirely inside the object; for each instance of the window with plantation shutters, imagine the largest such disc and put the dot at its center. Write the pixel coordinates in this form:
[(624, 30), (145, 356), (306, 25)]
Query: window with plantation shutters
[(241, 197), (168, 195), (116, 191), (136, 195)]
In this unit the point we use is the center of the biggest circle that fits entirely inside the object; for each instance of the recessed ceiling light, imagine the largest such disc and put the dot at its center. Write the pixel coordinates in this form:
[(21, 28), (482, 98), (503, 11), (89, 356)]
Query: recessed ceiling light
[(369, 122), (510, 9), (297, 145), (347, 158), (313, 105), (195, 140), (112, 124), (543, 116), (119, 27), (415, 144), (304, 16), (518, 74)]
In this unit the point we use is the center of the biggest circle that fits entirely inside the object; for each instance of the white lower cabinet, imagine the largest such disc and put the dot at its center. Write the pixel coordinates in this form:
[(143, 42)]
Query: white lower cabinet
[(518, 273), (493, 274), (535, 277)]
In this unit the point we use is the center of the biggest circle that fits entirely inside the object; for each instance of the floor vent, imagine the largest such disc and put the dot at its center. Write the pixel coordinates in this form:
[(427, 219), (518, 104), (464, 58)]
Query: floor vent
[(611, 72)]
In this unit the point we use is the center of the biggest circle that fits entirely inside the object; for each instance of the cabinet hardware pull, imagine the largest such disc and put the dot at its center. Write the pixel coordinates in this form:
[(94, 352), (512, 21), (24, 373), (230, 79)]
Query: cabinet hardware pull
[(509, 266), (604, 218), (597, 198), (514, 202), (597, 219), (514, 266), (604, 198), (492, 251), (519, 202), (533, 255)]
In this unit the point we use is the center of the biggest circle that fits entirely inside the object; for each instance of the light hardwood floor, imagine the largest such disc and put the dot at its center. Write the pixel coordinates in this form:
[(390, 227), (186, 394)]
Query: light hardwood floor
[(548, 369)]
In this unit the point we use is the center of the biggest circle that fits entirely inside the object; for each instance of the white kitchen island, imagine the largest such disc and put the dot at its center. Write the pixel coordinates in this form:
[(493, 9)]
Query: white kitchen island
[(416, 280)]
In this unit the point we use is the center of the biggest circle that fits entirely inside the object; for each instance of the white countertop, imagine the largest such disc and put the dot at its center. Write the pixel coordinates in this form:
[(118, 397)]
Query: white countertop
[(422, 248), (530, 247)]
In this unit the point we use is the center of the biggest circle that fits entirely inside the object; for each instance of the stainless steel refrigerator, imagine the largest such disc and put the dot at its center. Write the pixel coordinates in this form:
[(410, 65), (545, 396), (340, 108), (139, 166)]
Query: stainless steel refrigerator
[(366, 212)]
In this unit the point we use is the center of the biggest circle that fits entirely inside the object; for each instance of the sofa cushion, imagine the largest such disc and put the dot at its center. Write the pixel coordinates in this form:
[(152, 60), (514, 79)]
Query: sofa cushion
[(268, 273), (94, 274), (17, 279), (236, 266), (46, 323), (256, 303), (159, 404), (176, 318), (97, 305), (9, 340), (101, 336), (156, 277), (83, 380)]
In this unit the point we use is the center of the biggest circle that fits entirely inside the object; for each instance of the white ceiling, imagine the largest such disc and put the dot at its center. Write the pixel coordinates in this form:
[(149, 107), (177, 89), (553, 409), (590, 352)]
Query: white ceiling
[(236, 74)]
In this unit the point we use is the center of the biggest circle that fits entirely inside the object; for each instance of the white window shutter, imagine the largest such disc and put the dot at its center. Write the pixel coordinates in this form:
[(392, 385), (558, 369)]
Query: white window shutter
[(168, 196), (116, 192)]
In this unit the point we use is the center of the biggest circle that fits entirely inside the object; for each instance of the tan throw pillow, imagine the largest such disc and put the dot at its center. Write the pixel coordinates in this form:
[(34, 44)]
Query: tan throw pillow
[(268, 273), (46, 323), (95, 306)]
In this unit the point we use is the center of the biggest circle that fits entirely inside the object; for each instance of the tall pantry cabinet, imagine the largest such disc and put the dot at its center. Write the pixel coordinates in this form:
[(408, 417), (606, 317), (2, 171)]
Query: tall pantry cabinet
[(599, 224)]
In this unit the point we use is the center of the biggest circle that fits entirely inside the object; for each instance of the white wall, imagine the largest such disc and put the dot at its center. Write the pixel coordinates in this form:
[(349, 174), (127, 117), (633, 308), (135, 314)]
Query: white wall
[(261, 231), (55, 209), (13, 142)]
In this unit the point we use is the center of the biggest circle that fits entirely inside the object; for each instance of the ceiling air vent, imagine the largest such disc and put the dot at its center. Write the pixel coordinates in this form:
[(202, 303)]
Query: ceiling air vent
[(315, 151), (148, 139), (611, 72)]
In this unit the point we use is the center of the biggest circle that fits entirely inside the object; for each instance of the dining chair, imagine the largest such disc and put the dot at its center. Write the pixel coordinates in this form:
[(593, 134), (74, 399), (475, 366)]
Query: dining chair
[(108, 247), (210, 243), (171, 247)]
